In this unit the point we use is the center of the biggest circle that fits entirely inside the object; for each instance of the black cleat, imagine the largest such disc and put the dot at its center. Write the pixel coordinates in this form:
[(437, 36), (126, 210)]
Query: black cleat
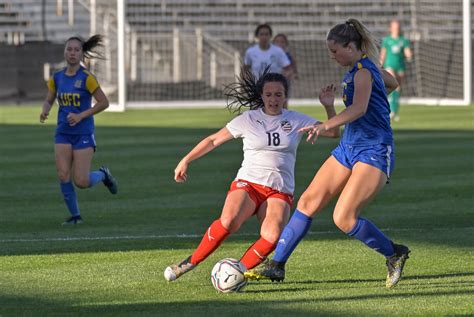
[(109, 181), (73, 220), (269, 270), (395, 264)]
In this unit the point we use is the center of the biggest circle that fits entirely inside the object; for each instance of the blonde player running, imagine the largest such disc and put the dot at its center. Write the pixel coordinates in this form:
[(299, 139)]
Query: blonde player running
[(265, 182)]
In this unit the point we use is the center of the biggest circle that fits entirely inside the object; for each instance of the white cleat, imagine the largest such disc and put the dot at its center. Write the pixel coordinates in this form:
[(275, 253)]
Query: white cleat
[(174, 271), (169, 274)]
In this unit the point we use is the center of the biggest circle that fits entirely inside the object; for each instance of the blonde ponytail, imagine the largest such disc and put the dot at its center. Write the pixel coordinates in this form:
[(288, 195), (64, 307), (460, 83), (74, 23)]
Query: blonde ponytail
[(368, 43), (353, 31)]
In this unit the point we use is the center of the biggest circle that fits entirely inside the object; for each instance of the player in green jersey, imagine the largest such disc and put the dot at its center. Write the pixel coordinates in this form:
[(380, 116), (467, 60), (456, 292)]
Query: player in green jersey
[(393, 54)]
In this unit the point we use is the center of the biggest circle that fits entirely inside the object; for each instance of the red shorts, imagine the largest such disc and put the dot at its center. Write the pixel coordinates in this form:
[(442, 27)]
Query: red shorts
[(259, 193)]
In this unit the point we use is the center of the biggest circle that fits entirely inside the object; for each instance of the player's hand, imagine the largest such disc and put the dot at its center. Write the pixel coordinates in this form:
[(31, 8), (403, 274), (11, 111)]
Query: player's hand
[(43, 116), (180, 175), (326, 96), (74, 118), (314, 131)]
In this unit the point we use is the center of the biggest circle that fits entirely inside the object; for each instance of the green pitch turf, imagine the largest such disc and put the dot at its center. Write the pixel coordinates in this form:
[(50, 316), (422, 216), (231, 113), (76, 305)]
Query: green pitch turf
[(113, 264)]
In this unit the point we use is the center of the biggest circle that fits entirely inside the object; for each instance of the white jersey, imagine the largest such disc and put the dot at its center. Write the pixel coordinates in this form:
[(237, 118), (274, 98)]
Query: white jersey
[(258, 59), (269, 144)]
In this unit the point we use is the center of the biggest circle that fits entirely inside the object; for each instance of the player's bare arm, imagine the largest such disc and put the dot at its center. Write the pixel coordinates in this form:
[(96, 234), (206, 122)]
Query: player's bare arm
[(47, 105), (202, 148)]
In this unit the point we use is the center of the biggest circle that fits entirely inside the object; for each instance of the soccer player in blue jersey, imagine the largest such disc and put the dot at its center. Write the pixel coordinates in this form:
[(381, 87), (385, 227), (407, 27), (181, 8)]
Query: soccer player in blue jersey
[(361, 164), (73, 87)]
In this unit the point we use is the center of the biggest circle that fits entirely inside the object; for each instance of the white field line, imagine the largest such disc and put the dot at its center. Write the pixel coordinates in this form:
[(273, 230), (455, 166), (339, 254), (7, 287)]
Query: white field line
[(189, 236)]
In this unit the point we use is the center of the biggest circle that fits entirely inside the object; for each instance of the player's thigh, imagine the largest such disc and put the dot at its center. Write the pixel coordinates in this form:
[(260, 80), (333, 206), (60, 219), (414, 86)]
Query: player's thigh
[(326, 184), (82, 160), (273, 214), (63, 159), (363, 185), (238, 207)]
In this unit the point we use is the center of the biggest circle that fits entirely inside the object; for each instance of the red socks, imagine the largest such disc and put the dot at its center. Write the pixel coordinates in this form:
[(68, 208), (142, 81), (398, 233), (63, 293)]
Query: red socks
[(211, 240), (257, 253)]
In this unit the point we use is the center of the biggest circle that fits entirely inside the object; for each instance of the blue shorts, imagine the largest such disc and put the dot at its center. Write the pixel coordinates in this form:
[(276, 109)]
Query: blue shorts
[(78, 141), (380, 156)]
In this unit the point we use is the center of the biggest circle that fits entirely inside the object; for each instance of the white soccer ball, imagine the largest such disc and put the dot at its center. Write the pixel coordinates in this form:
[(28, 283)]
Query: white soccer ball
[(228, 275)]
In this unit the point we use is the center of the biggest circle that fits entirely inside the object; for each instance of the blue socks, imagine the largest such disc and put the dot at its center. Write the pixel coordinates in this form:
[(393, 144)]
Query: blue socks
[(299, 224), (366, 232), (294, 231), (70, 198), (96, 177)]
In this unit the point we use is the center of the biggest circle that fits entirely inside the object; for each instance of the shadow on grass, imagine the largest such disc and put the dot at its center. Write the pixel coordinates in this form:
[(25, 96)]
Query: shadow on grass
[(439, 280), (222, 305)]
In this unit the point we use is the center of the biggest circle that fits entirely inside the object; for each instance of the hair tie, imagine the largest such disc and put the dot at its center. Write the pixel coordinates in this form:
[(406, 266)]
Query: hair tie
[(350, 23)]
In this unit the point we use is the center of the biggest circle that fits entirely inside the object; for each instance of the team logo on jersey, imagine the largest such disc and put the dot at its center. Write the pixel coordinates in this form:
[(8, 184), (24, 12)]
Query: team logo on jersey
[(286, 126), (241, 184), (260, 121), (78, 84)]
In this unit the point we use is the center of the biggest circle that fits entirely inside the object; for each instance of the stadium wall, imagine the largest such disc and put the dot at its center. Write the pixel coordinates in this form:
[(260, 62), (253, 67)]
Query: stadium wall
[(22, 67)]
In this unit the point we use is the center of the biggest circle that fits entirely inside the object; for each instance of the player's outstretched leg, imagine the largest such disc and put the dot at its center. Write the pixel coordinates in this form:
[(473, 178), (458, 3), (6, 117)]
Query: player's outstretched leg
[(395, 264), (174, 271), (109, 181), (269, 270)]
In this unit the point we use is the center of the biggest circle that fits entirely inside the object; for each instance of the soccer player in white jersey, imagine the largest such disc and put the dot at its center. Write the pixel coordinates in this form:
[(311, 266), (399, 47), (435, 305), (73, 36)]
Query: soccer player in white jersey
[(265, 182), (265, 54)]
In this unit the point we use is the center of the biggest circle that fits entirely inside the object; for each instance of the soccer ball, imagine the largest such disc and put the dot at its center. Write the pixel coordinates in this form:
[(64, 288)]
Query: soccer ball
[(228, 276)]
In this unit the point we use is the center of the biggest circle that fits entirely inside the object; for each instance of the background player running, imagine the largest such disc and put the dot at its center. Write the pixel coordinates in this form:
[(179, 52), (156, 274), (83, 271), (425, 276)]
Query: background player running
[(73, 87)]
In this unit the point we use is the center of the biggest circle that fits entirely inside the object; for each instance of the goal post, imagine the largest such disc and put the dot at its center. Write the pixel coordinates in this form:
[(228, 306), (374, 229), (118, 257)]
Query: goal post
[(181, 53), (122, 76), (467, 52)]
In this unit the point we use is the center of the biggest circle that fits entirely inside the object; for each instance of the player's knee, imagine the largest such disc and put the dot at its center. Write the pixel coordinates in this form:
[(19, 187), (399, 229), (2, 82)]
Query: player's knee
[(230, 223), (344, 222), (81, 182), (271, 235), (64, 177), (308, 204)]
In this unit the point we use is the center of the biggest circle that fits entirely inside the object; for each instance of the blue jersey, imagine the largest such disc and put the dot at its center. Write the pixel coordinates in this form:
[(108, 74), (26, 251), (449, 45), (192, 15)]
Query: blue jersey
[(374, 126), (74, 94)]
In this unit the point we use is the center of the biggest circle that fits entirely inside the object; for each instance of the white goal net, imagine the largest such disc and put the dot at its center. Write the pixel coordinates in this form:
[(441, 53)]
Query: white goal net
[(178, 52)]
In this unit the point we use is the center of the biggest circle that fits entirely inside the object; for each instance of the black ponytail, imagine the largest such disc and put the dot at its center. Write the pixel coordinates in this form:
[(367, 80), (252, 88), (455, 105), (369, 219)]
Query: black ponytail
[(247, 91), (88, 46)]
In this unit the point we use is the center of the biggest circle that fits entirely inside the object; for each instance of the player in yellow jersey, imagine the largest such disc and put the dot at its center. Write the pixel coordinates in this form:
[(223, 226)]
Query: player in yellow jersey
[(73, 87)]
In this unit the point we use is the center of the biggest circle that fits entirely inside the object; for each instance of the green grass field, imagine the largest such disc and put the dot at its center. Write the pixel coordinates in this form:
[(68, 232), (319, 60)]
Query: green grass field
[(113, 264)]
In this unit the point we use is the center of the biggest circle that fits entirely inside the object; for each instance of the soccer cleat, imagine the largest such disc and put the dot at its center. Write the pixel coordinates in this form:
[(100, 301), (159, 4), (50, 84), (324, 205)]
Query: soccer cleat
[(109, 181), (269, 270), (395, 264), (174, 271), (73, 220)]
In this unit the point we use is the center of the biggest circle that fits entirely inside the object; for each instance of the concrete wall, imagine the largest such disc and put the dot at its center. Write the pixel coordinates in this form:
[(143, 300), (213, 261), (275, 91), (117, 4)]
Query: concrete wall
[(22, 71)]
